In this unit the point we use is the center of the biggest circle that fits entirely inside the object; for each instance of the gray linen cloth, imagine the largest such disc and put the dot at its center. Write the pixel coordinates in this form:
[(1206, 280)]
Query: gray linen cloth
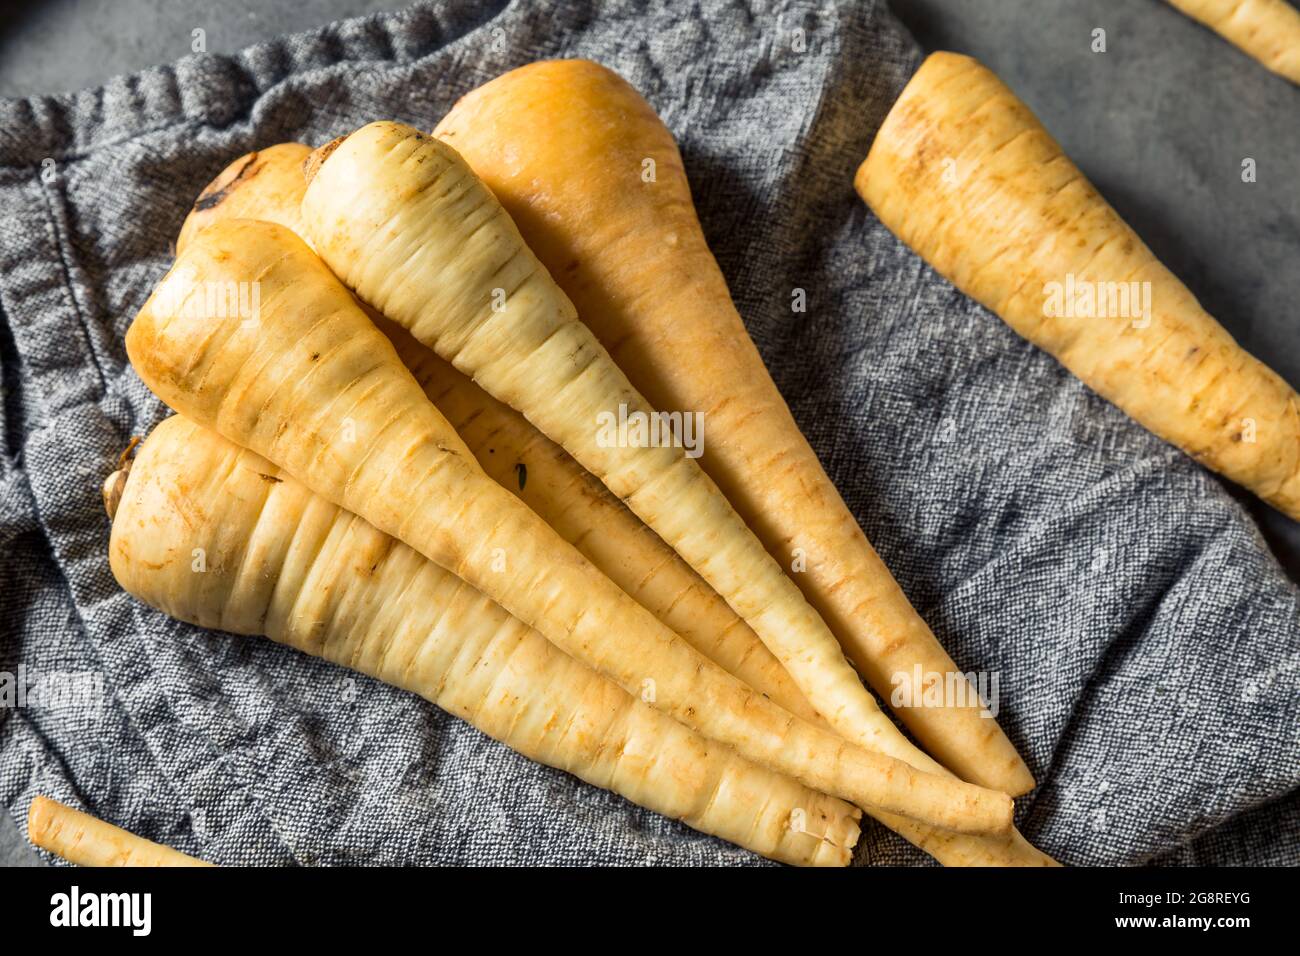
[(1145, 639)]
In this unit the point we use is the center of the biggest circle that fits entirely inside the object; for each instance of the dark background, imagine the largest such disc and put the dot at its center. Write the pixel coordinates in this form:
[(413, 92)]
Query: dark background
[(1160, 122)]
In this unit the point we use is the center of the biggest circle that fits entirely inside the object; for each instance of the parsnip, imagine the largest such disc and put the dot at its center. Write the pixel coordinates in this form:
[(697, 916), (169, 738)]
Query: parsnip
[(581, 509), (1267, 30), (88, 841), (283, 562), (309, 383), (266, 179), (563, 144), (269, 185), (404, 222), (573, 502), (1019, 229)]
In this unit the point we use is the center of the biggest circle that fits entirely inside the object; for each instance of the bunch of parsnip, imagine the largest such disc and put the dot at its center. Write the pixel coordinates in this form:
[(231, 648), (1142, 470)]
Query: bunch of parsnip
[(391, 359)]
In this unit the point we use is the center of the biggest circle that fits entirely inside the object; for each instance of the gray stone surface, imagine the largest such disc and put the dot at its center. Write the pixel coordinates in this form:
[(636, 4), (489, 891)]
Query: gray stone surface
[(62, 46), (14, 850), (1161, 123)]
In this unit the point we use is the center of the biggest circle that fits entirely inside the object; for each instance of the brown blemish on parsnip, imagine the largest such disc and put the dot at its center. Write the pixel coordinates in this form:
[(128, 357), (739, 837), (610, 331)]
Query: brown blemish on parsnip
[(115, 484), (112, 490), (214, 195), (318, 156)]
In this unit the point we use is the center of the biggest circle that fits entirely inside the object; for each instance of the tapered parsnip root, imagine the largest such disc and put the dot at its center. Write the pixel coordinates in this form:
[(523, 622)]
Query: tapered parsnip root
[(88, 841), (564, 145), (519, 457), (1267, 30), (573, 502), (306, 380), (283, 562), (402, 219), (1019, 229)]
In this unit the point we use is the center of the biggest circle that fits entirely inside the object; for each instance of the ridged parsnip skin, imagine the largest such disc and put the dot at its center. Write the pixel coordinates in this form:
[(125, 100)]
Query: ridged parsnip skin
[(1020, 217), (269, 185), (283, 562), (562, 145), (571, 500), (404, 222), (589, 517), (574, 502), (313, 386), (88, 841), (1267, 30)]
